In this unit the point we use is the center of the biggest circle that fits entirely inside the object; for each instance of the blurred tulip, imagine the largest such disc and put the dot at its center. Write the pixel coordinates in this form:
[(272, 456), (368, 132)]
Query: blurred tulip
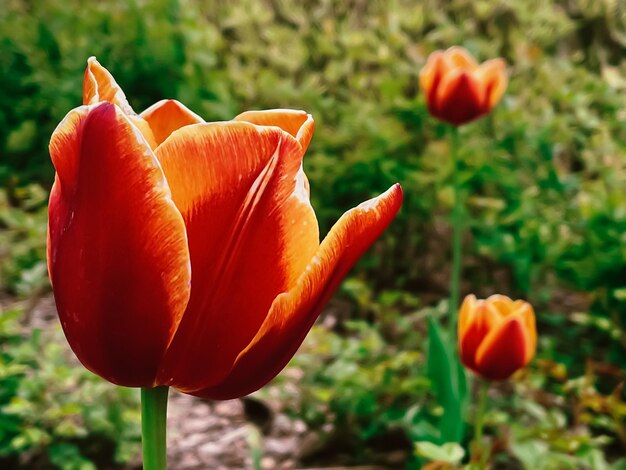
[(186, 253), (497, 336), (457, 89)]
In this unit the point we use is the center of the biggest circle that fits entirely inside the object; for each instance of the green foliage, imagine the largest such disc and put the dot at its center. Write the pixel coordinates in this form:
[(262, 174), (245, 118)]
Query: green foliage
[(544, 178), (362, 385), (449, 452), (560, 431), (23, 216), (377, 382), (449, 382), (51, 409)]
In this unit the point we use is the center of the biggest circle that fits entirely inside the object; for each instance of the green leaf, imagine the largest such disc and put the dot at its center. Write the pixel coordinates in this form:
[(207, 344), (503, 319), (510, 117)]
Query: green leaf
[(449, 382), (619, 464), (68, 457), (450, 452)]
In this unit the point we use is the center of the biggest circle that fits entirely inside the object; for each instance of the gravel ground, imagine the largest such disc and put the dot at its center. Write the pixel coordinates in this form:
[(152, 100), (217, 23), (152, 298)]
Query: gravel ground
[(219, 435)]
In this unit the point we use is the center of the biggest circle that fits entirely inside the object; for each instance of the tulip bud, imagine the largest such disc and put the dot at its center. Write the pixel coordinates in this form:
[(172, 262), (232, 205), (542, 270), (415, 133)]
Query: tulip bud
[(457, 89), (497, 336)]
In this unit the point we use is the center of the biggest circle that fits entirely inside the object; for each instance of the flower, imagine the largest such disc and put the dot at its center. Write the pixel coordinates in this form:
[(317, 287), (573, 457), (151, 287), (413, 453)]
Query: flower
[(186, 253), (497, 336), (457, 89)]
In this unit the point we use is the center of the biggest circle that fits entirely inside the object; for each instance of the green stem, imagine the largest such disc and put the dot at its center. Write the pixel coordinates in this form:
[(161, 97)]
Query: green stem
[(479, 423), (153, 426), (457, 229)]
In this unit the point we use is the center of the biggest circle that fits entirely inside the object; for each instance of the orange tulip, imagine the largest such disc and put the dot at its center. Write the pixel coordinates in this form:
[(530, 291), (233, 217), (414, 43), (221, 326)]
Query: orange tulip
[(457, 89), (497, 336), (186, 253)]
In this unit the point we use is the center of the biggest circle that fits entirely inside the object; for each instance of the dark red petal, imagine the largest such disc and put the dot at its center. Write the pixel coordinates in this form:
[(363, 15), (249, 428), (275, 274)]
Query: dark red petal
[(460, 98), (504, 350), (117, 251)]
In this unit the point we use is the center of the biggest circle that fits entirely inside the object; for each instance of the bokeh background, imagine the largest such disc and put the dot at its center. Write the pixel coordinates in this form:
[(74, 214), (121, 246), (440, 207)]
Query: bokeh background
[(544, 178)]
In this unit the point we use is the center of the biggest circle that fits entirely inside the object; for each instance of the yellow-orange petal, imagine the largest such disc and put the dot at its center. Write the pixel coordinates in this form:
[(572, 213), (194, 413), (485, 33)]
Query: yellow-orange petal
[(293, 313), (527, 313), (466, 313), (99, 85), (430, 77), (64, 153), (251, 233), (299, 124), (460, 98), (502, 304), (460, 58), (53, 201), (492, 75), (166, 116), (504, 350), (476, 320), (118, 255)]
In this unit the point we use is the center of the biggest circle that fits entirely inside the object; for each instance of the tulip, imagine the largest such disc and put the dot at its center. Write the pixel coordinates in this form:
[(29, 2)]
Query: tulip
[(457, 89), (186, 253), (497, 336)]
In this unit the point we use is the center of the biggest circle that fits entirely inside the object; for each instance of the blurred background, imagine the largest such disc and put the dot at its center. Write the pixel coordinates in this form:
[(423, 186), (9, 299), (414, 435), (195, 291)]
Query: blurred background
[(545, 185)]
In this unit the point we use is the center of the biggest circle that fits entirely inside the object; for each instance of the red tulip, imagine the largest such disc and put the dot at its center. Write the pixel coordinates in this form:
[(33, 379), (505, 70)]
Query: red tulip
[(497, 336), (186, 253), (457, 89)]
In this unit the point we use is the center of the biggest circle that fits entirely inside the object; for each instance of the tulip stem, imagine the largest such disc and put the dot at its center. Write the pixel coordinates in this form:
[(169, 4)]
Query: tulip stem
[(153, 426), (479, 423), (457, 228)]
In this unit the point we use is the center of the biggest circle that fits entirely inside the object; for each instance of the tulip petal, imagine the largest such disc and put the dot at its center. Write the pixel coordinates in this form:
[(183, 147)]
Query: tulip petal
[(527, 313), (476, 319), (64, 153), (251, 232), (118, 252), (166, 116), (430, 78), (53, 224), (297, 123), (293, 313), (504, 350), (460, 58), (99, 85), (460, 97), (492, 74), (502, 304), (466, 313)]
